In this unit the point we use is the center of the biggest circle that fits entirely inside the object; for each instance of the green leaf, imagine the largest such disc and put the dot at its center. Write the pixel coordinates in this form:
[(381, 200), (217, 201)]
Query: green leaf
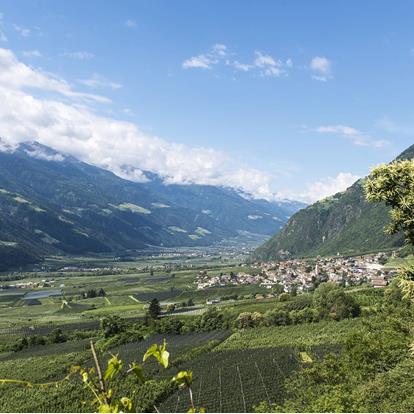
[(114, 367), (127, 404), (183, 378), (105, 408), (160, 353), (165, 355), (138, 371), (150, 351)]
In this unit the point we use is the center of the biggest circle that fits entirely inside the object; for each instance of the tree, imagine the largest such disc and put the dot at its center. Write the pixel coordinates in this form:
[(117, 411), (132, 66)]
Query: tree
[(57, 336), (393, 184), (211, 320), (330, 299), (276, 317), (101, 292), (154, 309), (112, 325)]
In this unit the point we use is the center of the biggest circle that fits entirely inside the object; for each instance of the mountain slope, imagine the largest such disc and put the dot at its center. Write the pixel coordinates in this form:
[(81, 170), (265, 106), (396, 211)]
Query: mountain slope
[(54, 204), (344, 223)]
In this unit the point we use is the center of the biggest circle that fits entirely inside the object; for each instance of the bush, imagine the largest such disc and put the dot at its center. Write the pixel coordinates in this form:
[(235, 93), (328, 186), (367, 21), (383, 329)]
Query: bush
[(248, 320), (276, 317)]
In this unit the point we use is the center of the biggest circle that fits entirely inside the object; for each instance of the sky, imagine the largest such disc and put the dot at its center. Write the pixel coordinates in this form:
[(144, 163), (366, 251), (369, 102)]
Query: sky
[(282, 99)]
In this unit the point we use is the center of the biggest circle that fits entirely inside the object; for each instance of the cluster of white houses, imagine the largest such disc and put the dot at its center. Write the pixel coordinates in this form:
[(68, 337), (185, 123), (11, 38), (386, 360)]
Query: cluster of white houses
[(302, 274)]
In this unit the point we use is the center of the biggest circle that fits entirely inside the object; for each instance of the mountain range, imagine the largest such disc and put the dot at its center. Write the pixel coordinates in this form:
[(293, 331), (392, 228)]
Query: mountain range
[(344, 223), (52, 203)]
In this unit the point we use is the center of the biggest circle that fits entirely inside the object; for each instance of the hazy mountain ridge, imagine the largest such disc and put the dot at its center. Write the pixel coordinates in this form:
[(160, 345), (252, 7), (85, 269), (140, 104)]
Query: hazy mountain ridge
[(52, 203), (344, 223)]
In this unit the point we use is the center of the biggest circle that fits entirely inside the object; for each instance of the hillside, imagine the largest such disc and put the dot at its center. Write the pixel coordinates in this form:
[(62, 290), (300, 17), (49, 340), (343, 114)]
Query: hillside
[(344, 223), (54, 204)]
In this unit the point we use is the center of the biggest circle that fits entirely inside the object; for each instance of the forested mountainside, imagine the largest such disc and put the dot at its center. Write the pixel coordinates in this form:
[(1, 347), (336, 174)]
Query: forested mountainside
[(53, 204), (344, 223)]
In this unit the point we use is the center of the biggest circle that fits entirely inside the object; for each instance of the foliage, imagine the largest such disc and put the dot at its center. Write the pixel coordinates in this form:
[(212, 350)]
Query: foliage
[(393, 184), (154, 309), (112, 325), (103, 385), (372, 373), (330, 299)]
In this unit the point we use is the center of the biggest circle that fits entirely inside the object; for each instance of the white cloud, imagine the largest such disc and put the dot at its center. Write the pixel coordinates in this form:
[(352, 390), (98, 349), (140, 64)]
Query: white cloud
[(119, 146), (16, 75), (79, 55), (263, 64), (31, 53), (206, 60), (130, 23), (321, 68), (243, 67), (42, 155), (329, 186), (23, 31), (354, 135), (200, 61), (99, 81), (268, 65)]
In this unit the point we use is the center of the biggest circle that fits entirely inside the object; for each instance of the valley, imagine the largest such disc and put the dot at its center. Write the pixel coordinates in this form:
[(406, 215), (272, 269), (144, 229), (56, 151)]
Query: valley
[(246, 317)]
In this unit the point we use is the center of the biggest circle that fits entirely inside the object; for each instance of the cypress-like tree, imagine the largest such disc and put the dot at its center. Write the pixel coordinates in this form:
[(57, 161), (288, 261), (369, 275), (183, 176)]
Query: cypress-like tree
[(154, 308)]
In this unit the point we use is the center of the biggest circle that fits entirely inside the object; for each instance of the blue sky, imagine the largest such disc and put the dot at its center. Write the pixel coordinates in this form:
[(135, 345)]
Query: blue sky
[(296, 98)]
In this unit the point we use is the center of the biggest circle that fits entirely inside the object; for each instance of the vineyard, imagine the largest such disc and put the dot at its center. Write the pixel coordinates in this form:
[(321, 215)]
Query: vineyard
[(303, 335), (237, 380)]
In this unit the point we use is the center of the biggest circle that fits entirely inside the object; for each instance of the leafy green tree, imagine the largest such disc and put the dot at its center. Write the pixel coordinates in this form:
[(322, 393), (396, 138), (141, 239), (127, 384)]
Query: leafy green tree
[(276, 317), (245, 320), (154, 309), (331, 300), (393, 184), (211, 320), (112, 325)]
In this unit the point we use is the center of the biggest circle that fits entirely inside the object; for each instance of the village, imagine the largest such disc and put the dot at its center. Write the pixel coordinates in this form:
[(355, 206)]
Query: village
[(302, 275)]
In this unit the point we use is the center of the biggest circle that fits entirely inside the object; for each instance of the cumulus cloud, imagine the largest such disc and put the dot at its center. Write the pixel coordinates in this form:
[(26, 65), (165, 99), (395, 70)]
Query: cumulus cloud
[(330, 186), (119, 146), (79, 55), (326, 187), (354, 135), (321, 68)]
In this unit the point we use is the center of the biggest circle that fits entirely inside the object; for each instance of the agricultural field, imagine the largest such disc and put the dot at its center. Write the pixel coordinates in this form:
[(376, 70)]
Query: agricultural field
[(232, 372), (300, 336), (127, 291), (251, 366)]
